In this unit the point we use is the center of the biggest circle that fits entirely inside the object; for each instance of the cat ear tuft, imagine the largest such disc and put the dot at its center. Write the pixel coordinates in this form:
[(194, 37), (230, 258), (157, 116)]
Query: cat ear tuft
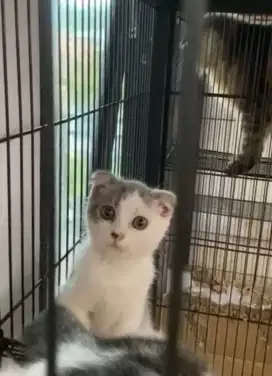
[(101, 177), (167, 201)]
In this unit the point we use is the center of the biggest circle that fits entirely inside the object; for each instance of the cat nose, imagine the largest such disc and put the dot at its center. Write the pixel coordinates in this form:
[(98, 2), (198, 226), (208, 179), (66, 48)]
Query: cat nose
[(117, 236)]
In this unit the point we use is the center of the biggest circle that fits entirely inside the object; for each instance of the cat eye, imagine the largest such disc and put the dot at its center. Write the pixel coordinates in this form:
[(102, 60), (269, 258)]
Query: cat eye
[(107, 212), (140, 223)]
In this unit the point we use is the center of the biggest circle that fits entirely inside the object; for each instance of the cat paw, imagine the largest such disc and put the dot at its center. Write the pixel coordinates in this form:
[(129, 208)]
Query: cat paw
[(240, 166)]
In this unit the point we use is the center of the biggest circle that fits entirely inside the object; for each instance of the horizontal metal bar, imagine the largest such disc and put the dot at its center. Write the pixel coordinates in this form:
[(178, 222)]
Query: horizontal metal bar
[(20, 134), (69, 119), (217, 161), (233, 208), (241, 6), (216, 247), (234, 243), (212, 95), (188, 301)]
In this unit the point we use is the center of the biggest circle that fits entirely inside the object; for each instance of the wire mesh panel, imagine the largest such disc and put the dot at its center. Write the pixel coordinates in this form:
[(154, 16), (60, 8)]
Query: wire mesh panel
[(102, 61), (75, 92), (227, 307), (19, 163), (89, 84)]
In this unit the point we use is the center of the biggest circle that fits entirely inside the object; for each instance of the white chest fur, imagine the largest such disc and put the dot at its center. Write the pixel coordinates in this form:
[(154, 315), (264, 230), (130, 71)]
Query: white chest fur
[(109, 296)]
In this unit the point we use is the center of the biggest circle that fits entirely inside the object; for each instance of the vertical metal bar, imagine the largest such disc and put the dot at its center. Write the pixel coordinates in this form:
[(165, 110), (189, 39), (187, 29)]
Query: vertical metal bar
[(106, 130), (186, 162), (162, 52), (47, 144), (75, 180), (102, 95), (68, 131), (163, 35), (107, 93), (131, 74), (60, 141), (83, 83), (95, 130), (47, 202), (89, 138), (163, 260), (7, 118), (166, 104), (33, 226), (140, 130), (138, 63), (18, 64), (117, 53), (146, 83)]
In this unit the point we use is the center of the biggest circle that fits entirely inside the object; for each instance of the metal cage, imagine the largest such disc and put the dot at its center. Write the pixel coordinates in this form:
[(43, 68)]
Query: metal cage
[(112, 84)]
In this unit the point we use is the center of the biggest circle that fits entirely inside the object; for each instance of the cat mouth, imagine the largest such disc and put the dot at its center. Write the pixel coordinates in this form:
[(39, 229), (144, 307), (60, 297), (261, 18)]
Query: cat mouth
[(116, 245)]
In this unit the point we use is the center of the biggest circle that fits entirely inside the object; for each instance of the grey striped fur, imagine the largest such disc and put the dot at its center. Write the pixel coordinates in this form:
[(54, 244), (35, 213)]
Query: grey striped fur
[(237, 56)]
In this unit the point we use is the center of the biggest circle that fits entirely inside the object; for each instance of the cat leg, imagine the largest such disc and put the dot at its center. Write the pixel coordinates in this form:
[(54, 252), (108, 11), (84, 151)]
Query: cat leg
[(255, 124), (253, 137)]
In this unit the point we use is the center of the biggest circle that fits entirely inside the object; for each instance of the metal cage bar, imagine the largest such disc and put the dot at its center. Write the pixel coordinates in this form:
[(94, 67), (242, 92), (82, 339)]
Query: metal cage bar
[(162, 55), (135, 80), (186, 162), (137, 86), (105, 130), (47, 205)]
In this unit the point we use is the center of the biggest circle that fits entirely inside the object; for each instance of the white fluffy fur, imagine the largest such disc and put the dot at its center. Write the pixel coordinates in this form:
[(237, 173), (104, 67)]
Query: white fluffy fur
[(112, 283), (69, 355)]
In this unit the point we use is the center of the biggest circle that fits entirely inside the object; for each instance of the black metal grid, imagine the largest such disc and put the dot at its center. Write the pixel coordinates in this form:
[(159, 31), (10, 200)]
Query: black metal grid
[(86, 70), (108, 98), (19, 160), (230, 240), (91, 85)]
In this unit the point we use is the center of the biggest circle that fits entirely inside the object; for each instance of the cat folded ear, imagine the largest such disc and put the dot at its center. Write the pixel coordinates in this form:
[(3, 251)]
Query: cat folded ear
[(166, 200), (101, 177), (99, 182)]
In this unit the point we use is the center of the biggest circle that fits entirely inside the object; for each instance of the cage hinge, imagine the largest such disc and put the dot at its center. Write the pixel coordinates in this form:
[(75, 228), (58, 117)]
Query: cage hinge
[(163, 5), (11, 348)]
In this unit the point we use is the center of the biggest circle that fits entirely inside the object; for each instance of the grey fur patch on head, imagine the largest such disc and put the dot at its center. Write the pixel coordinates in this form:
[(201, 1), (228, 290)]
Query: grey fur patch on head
[(108, 189), (168, 197)]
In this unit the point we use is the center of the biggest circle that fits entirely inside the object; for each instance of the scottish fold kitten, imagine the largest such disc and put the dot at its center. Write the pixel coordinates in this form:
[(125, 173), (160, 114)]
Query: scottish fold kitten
[(126, 221)]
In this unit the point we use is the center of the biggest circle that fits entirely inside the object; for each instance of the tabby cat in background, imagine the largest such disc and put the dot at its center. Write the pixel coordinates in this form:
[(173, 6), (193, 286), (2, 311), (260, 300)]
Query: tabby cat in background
[(236, 58)]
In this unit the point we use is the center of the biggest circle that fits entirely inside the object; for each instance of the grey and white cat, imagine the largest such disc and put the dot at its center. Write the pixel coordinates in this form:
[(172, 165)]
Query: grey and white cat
[(236, 58), (126, 221), (79, 353)]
